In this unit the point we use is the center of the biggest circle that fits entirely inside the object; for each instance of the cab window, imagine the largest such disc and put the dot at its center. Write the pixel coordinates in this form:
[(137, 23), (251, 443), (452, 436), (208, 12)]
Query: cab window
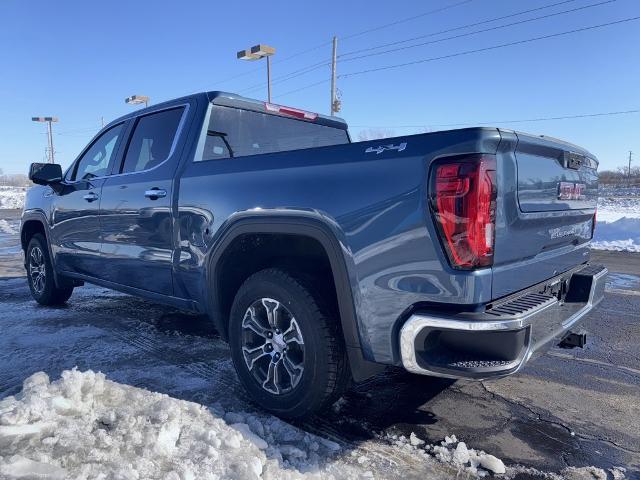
[(152, 139), (234, 132), (98, 159)]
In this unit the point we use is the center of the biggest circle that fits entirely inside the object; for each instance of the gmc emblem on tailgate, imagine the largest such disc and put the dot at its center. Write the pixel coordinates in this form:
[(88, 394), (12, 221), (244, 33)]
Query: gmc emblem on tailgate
[(571, 191)]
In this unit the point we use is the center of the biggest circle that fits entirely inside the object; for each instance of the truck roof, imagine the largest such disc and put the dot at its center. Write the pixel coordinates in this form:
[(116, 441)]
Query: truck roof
[(228, 99)]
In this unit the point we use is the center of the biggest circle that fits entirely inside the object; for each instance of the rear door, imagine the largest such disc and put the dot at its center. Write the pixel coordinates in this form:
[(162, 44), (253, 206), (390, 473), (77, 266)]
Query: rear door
[(136, 212), (549, 191)]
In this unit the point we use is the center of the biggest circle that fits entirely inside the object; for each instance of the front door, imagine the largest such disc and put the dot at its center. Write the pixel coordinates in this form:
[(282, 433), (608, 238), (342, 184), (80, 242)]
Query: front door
[(136, 210), (75, 229)]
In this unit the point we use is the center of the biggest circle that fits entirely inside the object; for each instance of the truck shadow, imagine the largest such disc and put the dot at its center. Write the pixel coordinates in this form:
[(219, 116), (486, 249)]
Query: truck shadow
[(393, 398), (161, 349)]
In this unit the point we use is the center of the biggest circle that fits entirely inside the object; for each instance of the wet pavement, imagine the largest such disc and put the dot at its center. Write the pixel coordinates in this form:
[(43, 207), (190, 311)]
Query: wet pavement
[(567, 408), (10, 250)]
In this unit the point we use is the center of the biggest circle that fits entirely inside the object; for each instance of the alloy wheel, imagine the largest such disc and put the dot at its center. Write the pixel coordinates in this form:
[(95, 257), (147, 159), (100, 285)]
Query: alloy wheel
[(37, 270), (272, 346)]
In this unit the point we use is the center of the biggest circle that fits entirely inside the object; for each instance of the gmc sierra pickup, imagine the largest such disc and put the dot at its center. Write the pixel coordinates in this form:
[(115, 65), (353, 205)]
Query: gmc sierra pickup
[(457, 254)]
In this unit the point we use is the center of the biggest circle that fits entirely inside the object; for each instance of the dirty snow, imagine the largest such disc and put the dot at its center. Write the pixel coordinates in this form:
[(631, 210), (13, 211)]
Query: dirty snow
[(468, 461), (618, 226), (85, 426), (12, 197), (6, 227)]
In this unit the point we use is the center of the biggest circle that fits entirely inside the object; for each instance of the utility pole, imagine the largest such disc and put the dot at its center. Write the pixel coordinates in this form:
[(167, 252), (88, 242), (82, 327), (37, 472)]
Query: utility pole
[(49, 121), (334, 106), (629, 171)]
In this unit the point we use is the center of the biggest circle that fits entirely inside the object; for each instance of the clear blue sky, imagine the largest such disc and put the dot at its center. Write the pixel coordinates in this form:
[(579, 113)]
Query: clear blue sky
[(78, 60)]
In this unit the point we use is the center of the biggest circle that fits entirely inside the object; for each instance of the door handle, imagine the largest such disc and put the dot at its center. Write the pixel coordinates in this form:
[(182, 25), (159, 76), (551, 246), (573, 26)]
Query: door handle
[(91, 197), (155, 193)]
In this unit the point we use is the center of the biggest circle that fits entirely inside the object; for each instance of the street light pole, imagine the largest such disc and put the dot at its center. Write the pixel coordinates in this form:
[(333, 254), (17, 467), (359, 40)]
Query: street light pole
[(256, 53), (52, 154), (48, 121), (269, 79)]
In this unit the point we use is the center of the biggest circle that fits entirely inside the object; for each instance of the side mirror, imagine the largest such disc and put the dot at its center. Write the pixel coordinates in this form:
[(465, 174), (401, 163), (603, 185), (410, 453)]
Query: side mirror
[(45, 173)]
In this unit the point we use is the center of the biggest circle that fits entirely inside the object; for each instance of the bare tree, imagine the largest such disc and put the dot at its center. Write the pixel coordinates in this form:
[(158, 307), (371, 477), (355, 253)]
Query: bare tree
[(620, 176), (14, 180)]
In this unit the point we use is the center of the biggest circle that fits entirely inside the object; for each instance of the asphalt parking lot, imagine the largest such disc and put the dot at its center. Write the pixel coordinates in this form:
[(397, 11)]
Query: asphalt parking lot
[(577, 407)]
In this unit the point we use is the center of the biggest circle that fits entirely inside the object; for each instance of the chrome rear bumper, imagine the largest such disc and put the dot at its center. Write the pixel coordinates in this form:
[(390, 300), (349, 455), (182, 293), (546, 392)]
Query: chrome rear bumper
[(502, 339)]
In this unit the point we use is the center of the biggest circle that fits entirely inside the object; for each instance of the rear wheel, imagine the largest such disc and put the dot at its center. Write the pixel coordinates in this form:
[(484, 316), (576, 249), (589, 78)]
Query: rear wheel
[(286, 348), (40, 274)]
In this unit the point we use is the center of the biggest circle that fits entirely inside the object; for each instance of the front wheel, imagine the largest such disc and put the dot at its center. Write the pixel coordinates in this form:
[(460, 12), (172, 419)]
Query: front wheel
[(40, 274), (287, 349)]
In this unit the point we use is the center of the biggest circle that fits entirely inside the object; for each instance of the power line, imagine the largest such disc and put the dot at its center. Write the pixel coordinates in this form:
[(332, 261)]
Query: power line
[(485, 49), (289, 76), (449, 30), (310, 49), (315, 66), (467, 52), (303, 88), (407, 19), (78, 130), (318, 46), (497, 27), (278, 61), (494, 122)]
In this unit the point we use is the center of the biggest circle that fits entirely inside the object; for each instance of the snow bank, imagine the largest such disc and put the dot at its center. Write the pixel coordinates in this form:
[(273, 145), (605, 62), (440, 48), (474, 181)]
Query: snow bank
[(618, 226), (5, 227), (619, 234), (12, 197), (617, 230), (84, 426)]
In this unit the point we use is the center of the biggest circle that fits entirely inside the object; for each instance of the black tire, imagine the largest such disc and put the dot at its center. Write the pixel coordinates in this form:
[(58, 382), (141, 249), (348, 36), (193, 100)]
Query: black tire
[(43, 288), (326, 372)]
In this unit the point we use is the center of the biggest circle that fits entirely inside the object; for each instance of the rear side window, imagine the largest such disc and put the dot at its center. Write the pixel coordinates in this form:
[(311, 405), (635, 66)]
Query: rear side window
[(233, 132), (151, 141)]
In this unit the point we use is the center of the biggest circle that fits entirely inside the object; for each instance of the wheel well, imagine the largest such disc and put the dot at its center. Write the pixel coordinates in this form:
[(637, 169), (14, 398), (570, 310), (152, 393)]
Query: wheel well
[(252, 252), (29, 229)]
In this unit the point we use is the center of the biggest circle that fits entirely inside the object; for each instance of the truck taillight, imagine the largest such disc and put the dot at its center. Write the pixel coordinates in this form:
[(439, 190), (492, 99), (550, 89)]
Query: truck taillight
[(463, 200)]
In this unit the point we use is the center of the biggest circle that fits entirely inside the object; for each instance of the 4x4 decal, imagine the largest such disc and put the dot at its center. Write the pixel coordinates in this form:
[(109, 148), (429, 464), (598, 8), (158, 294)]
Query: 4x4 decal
[(378, 150)]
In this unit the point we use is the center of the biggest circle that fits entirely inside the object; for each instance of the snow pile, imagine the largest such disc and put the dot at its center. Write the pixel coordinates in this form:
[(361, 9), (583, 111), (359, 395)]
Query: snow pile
[(12, 197), (455, 453), (593, 473), (5, 227), (618, 226), (84, 426)]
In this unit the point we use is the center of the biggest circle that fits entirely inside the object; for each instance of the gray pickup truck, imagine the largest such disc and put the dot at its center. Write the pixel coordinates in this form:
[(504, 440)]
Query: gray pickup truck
[(456, 254)]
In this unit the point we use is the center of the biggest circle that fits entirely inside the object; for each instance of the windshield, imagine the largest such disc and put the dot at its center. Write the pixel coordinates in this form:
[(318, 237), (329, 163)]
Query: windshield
[(234, 132)]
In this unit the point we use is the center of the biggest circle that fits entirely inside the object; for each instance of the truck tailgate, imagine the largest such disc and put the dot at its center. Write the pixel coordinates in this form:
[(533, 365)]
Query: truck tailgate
[(544, 224)]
